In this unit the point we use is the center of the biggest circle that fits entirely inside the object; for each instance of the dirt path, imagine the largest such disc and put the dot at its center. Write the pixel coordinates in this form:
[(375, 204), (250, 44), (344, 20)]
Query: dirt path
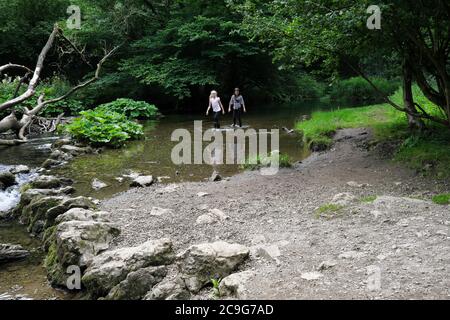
[(390, 248)]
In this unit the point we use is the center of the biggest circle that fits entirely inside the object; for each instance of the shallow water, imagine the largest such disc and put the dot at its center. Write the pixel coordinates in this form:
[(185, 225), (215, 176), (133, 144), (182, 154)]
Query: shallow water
[(26, 279), (152, 156)]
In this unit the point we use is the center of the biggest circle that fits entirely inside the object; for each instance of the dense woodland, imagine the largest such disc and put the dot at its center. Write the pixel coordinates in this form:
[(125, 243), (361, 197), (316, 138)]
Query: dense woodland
[(171, 53)]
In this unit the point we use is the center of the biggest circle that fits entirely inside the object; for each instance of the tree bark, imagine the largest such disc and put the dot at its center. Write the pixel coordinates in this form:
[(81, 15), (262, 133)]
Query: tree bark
[(408, 98)]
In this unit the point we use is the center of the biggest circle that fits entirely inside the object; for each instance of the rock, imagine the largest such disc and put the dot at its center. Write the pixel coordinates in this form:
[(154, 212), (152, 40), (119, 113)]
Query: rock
[(7, 179), (11, 252), (328, 264), (34, 214), (269, 252), (74, 150), (98, 184), (314, 275), (343, 199), (169, 289), (61, 142), (213, 216), (112, 267), (215, 177), (20, 169), (50, 182), (64, 206), (59, 155), (50, 163), (202, 194), (77, 242), (159, 211), (119, 179), (234, 284), (80, 214), (355, 184), (205, 219), (201, 263), (142, 181), (137, 283), (351, 255)]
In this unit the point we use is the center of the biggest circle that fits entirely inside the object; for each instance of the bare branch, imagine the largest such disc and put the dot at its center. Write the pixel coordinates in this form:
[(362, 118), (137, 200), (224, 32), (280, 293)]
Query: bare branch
[(14, 66), (36, 75)]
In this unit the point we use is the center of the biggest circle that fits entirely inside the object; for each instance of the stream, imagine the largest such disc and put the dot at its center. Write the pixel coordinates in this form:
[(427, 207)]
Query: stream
[(26, 279)]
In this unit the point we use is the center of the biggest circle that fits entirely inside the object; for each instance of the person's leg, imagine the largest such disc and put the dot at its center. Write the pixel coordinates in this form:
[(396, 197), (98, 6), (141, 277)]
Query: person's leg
[(239, 115), (216, 120), (234, 117)]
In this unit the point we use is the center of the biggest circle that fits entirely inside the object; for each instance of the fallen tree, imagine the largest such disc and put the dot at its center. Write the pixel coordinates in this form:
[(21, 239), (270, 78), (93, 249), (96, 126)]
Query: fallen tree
[(19, 126)]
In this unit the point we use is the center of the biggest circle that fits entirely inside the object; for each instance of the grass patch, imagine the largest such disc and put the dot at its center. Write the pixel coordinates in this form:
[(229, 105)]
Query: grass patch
[(442, 199), (328, 211), (259, 162), (427, 152), (368, 199)]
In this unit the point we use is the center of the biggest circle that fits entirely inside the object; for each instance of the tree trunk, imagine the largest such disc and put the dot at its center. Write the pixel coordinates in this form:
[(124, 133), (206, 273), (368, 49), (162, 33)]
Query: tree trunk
[(415, 123)]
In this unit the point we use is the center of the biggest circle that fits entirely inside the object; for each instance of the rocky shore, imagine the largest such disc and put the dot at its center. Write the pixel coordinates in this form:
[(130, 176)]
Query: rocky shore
[(343, 224)]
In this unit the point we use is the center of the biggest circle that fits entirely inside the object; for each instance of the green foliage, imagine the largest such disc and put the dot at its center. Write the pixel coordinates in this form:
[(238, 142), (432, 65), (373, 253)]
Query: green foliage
[(259, 162), (368, 199), (131, 109), (442, 198), (328, 211), (215, 283), (427, 152), (52, 88), (358, 90), (101, 128)]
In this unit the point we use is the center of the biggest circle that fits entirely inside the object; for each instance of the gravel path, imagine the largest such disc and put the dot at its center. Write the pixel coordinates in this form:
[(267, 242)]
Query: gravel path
[(392, 247)]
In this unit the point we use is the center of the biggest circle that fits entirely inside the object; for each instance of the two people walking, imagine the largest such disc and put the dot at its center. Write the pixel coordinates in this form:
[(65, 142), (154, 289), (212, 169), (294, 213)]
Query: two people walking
[(236, 103)]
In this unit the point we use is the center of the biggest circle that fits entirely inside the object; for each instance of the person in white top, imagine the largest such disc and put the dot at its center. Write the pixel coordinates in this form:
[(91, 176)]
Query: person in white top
[(216, 105)]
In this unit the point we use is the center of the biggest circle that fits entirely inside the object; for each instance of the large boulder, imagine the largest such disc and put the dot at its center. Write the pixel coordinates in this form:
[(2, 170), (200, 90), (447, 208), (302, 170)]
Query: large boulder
[(201, 263), (74, 150), (11, 252), (50, 182), (234, 285), (20, 169), (64, 206), (41, 212), (169, 289), (76, 240), (112, 267), (142, 181), (7, 179), (137, 283)]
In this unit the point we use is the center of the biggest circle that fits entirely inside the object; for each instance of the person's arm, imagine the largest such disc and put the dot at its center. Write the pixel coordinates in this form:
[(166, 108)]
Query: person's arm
[(221, 106), (243, 104), (231, 102), (209, 107)]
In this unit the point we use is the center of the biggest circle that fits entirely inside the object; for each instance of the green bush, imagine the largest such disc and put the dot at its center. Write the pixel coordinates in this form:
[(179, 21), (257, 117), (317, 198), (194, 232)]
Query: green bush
[(131, 109), (100, 128), (358, 90)]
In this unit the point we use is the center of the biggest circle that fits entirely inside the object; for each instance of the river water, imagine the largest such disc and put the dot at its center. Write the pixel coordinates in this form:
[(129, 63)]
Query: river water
[(152, 155)]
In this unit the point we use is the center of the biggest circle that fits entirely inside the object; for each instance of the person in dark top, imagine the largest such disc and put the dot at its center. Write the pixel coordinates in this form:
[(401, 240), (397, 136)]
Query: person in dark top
[(238, 105)]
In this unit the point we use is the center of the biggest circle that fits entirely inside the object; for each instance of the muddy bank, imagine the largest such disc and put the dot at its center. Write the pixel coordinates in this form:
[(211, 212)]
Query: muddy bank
[(343, 224)]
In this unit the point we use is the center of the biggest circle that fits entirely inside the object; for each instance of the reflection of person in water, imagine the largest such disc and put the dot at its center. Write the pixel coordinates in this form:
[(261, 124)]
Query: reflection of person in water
[(238, 104), (216, 105)]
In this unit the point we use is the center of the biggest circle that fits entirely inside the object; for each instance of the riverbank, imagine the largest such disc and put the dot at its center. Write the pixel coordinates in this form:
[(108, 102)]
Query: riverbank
[(428, 152), (345, 223)]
